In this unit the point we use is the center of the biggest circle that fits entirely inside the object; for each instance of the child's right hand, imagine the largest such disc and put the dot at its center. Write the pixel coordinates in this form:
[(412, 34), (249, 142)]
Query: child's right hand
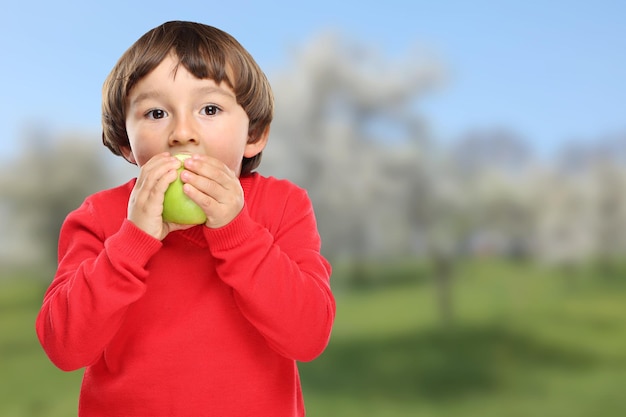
[(145, 206)]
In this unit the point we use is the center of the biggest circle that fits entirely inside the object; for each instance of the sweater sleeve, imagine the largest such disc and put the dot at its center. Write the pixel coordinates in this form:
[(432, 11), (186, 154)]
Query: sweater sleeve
[(96, 280), (279, 278)]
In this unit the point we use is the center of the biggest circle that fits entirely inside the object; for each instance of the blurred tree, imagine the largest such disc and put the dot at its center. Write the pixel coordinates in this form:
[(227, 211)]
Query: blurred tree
[(476, 204), (497, 149), (347, 130), (41, 186), (583, 209), (609, 182)]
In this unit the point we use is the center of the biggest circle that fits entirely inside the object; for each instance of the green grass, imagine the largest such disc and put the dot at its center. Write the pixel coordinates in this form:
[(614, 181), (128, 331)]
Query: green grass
[(30, 386), (524, 341)]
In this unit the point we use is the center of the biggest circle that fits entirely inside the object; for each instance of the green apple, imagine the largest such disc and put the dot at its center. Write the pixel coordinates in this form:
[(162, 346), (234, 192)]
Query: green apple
[(177, 207)]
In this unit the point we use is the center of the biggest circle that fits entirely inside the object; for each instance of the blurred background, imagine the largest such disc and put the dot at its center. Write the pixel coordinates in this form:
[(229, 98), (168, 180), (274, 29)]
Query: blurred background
[(467, 164)]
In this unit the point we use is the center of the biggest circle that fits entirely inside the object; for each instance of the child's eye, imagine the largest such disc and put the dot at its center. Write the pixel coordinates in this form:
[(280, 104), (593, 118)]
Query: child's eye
[(210, 110), (156, 114)]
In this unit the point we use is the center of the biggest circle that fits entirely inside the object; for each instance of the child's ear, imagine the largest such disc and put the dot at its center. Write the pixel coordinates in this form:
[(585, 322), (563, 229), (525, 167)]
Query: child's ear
[(254, 148), (127, 153)]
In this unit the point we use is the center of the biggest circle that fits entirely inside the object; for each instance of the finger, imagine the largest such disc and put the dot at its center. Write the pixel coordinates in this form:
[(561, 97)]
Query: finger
[(157, 167), (220, 209), (148, 193), (211, 168)]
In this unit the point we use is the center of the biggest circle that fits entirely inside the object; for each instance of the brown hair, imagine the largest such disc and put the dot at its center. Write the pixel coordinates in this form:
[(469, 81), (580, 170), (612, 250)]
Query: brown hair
[(206, 52)]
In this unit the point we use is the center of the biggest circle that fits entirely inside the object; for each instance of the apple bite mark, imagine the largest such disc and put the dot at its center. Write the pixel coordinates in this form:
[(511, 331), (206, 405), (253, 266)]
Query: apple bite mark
[(177, 206)]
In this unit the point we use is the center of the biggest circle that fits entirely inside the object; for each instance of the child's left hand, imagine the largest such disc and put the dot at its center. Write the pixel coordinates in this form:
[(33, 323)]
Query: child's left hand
[(214, 187)]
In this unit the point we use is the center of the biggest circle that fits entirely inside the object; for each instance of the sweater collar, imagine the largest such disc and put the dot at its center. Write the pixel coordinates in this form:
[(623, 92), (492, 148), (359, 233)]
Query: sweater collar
[(247, 183)]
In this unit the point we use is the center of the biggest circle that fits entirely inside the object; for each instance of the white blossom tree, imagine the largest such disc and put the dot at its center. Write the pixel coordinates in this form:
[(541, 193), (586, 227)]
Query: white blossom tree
[(346, 129)]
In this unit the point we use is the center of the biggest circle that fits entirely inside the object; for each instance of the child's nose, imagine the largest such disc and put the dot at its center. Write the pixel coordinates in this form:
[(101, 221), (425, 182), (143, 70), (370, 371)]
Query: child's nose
[(184, 131)]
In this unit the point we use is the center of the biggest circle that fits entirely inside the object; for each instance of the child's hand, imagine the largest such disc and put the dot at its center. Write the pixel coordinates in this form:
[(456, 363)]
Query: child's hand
[(145, 206), (214, 187)]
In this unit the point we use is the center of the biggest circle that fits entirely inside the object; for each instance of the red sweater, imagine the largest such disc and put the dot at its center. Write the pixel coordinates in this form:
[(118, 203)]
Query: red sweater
[(207, 322)]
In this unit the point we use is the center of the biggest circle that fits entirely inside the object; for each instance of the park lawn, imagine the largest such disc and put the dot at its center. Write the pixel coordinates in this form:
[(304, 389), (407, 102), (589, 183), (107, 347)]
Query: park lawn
[(524, 341), (30, 386)]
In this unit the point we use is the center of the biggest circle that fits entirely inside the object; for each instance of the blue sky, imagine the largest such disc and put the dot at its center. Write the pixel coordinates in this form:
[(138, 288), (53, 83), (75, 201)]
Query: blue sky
[(549, 70)]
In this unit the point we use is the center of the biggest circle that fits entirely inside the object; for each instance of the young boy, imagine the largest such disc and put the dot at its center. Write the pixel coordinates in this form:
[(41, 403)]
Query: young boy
[(184, 320)]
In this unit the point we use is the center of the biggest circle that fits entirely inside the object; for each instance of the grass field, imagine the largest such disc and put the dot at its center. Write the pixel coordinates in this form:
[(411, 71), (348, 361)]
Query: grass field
[(525, 341)]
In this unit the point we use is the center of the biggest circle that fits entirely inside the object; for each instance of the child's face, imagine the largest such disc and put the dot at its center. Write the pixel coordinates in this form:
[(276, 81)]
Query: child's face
[(170, 110)]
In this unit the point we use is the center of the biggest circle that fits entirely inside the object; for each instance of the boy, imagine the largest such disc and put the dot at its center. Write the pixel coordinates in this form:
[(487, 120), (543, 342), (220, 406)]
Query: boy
[(189, 320)]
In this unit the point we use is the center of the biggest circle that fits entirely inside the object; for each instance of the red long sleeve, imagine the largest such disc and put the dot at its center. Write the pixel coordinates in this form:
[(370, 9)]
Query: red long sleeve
[(282, 288), (204, 322)]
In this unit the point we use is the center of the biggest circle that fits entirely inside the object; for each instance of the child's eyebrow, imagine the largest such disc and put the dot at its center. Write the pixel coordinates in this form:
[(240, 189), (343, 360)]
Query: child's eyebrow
[(147, 95), (202, 91), (216, 90)]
